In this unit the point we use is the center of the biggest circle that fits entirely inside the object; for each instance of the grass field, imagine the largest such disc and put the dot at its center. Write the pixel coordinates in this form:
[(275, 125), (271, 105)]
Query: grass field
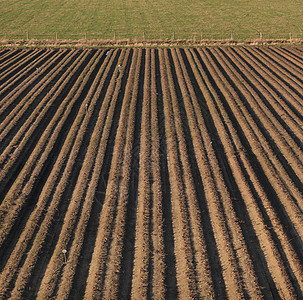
[(158, 19)]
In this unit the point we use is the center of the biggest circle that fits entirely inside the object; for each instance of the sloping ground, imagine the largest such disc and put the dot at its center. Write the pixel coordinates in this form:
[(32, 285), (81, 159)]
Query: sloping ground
[(151, 173)]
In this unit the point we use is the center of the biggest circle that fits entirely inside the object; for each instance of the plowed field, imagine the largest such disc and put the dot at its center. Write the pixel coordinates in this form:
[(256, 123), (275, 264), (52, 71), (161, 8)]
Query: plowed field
[(151, 173)]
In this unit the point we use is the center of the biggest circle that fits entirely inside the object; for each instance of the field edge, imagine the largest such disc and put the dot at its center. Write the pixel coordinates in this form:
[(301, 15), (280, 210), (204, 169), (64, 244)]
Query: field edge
[(129, 43)]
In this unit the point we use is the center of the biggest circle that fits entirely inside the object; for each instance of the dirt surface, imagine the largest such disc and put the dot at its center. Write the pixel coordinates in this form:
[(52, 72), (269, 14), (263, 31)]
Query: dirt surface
[(151, 173)]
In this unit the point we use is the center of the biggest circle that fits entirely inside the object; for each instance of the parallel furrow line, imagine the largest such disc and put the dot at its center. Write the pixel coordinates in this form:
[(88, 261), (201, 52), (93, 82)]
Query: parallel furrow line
[(23, 184), (68, 153), (105, 258), (278, 134), (271, 254), (289, 195), (195, 118)]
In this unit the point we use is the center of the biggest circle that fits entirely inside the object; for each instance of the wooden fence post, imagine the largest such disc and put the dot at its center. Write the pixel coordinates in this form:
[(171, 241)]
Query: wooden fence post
[(231, 36), (143, 35), (56, 36), (173, 35), (201, 35), (290, 36), (27, 35), (261, 36), (85, 36)]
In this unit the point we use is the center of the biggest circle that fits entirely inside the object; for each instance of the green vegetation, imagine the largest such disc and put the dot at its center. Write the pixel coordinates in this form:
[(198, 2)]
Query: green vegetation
[(158, 19)]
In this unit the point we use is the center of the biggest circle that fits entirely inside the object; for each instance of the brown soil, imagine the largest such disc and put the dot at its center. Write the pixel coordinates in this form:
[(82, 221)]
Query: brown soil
[(151, 173)]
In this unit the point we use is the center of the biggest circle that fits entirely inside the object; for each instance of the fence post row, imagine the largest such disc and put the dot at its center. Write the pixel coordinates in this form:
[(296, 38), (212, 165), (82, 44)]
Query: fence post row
[(290, 34)]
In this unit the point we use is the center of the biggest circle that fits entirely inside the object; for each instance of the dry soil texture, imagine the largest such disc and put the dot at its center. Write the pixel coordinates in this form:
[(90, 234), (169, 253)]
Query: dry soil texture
[(151, 173)]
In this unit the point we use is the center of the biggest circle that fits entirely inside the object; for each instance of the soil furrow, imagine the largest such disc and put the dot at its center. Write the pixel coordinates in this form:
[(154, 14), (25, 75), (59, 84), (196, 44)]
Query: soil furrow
[(272, 130), (69, 175), (22, 186), (267, 245), (243, 257), (32, 104), (155, 173), (34, 219), (37, 126), (100, 276)]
